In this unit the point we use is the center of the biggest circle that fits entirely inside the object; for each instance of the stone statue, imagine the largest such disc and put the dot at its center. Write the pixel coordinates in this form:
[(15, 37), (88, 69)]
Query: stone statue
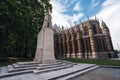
[(47, 20), (45, 44)]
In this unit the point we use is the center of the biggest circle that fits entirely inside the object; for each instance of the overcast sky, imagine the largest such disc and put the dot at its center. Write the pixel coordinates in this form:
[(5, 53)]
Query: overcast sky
[(67, 12)]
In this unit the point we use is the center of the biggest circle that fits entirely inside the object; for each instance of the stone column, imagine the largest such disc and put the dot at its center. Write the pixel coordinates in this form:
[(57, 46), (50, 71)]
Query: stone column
[(79, 54), (92, 42), (73, 46), (68, 49)]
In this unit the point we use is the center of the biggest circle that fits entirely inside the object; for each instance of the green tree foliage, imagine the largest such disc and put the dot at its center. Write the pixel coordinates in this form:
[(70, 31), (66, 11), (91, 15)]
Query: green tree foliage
[(20, 22)]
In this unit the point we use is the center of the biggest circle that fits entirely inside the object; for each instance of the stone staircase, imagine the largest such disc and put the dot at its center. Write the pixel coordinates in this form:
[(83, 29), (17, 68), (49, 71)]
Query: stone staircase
[(72, 75), (59, 70)]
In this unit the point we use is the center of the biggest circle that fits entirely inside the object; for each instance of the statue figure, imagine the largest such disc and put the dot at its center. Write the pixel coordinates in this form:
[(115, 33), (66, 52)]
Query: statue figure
[(47, 20)]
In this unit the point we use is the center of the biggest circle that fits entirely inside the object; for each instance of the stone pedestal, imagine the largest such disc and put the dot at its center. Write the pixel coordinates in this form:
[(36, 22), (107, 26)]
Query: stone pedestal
[(45, 46)]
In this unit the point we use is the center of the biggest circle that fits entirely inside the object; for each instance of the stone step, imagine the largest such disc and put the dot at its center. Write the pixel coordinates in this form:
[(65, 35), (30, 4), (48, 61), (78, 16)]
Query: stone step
[(66, 61), (4, 75), (42, 68), (16, 65), (52, 69), (68, 71), (52, 66), (32, 62), (22, 66), (58, 63), (74, 75), (12, 69), (27, 63), (31, 71), (3, 70)]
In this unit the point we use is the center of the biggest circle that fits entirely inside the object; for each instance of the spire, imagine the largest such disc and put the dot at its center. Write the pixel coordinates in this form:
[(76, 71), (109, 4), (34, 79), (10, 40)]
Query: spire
[(105, 28), (103, 24), (81, 22), (95, 17), (87, 17)]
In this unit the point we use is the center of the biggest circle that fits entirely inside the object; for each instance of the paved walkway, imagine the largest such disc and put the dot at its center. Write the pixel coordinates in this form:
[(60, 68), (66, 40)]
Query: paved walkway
[(101, 74)]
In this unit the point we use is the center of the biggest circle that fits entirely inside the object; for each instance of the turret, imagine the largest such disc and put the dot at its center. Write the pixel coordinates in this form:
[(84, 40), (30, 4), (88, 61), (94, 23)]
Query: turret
[(105, 29)]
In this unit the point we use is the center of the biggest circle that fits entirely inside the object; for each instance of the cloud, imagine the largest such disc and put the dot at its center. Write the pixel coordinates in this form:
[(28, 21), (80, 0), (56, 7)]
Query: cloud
[(57, 6), (110, 2), (94, 3), (58, 14), (71, 2), (77, 7), (110, 13), (74, 18)]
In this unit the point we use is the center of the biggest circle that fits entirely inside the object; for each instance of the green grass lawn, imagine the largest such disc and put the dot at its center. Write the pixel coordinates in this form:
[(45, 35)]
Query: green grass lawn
[(97, 61)]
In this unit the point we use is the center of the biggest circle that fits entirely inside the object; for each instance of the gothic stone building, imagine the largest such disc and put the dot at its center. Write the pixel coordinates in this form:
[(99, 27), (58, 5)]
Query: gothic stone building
[(85, 40)]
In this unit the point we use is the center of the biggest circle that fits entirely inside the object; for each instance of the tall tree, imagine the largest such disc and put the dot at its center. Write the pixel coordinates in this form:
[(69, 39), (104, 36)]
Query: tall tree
[(20, 22)]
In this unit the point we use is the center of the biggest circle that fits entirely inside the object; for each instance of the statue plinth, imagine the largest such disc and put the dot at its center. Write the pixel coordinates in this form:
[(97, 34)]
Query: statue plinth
[(45, 46), (45, 42)]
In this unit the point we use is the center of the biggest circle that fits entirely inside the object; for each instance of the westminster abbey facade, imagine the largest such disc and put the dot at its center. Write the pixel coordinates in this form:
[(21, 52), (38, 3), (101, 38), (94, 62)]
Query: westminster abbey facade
[(85, 40)]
